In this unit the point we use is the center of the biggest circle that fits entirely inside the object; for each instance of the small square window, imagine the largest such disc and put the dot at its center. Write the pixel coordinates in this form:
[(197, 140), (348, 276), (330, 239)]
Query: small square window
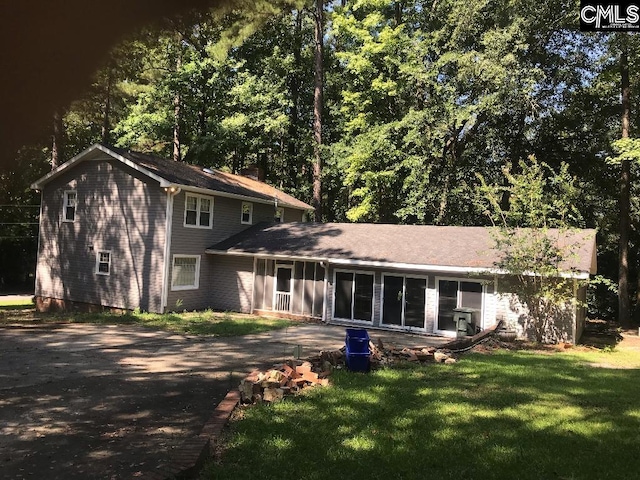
[(247, 213), (103, 263), (69, 206), (278, 217)]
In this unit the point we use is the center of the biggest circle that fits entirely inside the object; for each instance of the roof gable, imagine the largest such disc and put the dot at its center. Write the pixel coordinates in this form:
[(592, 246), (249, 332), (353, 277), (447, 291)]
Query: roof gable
[(182, 175), (427, 247)]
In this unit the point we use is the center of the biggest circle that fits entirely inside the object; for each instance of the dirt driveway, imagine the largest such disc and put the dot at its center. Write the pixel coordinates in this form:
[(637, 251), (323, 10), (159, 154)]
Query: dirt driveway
[(86, 401)]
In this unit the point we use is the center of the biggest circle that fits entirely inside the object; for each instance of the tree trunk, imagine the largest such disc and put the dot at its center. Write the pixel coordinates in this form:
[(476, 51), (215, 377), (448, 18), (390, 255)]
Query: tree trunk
[(624, 309), (317, 113), (398, 12), (106, 121), (56, 140), (177, 156), (294, 88)]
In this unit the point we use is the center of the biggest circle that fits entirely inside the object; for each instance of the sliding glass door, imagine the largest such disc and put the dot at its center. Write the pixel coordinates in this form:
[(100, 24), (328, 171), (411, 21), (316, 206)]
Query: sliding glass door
[(457, 294), (353, 296), (403, 301)]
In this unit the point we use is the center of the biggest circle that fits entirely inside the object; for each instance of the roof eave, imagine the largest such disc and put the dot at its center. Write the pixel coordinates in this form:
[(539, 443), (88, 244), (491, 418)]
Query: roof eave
[(41, 182), (389, 265), (237, 196)]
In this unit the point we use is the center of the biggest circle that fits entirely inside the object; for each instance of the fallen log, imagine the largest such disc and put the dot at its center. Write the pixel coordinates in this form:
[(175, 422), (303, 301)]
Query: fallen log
[(468, 342)]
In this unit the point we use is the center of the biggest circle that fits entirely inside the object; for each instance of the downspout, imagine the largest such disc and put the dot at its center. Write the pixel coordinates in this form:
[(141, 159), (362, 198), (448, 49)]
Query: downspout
[(36, 289), (171, 193), (326, 287)]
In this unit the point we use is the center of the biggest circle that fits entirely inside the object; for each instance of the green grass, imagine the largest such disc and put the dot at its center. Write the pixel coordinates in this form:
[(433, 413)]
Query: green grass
[(193, 323), (512, 415), (16, 303)]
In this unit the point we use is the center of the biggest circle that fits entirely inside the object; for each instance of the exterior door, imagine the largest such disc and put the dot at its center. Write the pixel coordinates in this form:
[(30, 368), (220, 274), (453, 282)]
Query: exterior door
[(403, 301), (283, 284)]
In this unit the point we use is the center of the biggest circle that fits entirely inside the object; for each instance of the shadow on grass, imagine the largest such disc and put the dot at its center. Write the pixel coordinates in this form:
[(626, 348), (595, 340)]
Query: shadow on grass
[(16, 307), (601, 334), (507, 415)]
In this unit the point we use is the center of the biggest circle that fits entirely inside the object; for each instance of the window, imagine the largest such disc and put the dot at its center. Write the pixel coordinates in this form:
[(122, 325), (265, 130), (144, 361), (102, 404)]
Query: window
[(278, 217), (198, 211), (353, 297), (247, 213), (458, 294), (403, 301), (103, 262), (185, 274), (69, 206)]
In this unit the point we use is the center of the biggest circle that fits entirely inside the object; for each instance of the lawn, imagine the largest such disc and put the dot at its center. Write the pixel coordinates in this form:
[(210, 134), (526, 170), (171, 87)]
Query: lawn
[(521, 415), (193, 323), (15, 302)]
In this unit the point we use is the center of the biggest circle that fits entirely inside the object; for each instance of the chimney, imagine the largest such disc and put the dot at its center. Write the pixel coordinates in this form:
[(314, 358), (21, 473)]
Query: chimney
[(253, 172)]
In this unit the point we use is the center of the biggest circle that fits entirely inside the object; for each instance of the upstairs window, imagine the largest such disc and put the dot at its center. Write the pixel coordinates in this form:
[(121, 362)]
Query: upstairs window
[(247, 213), (278, 217), (198, 211), (103, 262), (69, 206)]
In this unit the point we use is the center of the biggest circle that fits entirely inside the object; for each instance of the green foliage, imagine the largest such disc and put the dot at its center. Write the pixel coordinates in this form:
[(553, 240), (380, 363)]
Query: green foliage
[(625, 149), (532, 216)]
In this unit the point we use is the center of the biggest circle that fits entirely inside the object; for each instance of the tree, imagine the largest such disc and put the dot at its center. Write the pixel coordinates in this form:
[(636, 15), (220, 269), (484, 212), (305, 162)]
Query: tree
[(57, 140), (624, 306), (535, 242), (317, 108)]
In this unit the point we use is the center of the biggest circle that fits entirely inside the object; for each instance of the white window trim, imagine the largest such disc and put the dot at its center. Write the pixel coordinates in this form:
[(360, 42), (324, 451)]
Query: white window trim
[(353, 287), (250, 221), (65, 204), (195, 286), (402, 326), (199, 198), (449, 333), (98, 262)]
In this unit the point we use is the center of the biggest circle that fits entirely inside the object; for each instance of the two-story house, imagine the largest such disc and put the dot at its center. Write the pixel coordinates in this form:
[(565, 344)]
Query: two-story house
[(120, 229), (126, 230)]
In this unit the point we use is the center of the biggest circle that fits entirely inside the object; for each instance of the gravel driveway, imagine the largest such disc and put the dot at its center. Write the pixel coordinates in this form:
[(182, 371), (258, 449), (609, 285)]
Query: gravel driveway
[(89, 401)]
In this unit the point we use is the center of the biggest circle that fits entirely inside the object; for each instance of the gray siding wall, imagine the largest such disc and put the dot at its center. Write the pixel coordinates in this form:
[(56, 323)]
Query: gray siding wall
[(118, 210), (194, 241), (516, 315), (231, 285)]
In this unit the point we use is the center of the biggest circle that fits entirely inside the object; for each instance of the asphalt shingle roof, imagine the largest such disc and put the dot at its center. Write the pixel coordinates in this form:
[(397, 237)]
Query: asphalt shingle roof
[(446, 246), (192, 175), (183, 175)]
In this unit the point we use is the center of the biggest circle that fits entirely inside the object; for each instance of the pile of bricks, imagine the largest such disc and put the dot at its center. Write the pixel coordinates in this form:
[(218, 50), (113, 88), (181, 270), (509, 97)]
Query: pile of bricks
[(382, 355), (294, 375), (281, 381)]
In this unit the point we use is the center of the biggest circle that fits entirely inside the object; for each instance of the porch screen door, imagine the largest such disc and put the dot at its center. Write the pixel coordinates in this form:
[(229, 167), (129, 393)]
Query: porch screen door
[(283, 289)]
